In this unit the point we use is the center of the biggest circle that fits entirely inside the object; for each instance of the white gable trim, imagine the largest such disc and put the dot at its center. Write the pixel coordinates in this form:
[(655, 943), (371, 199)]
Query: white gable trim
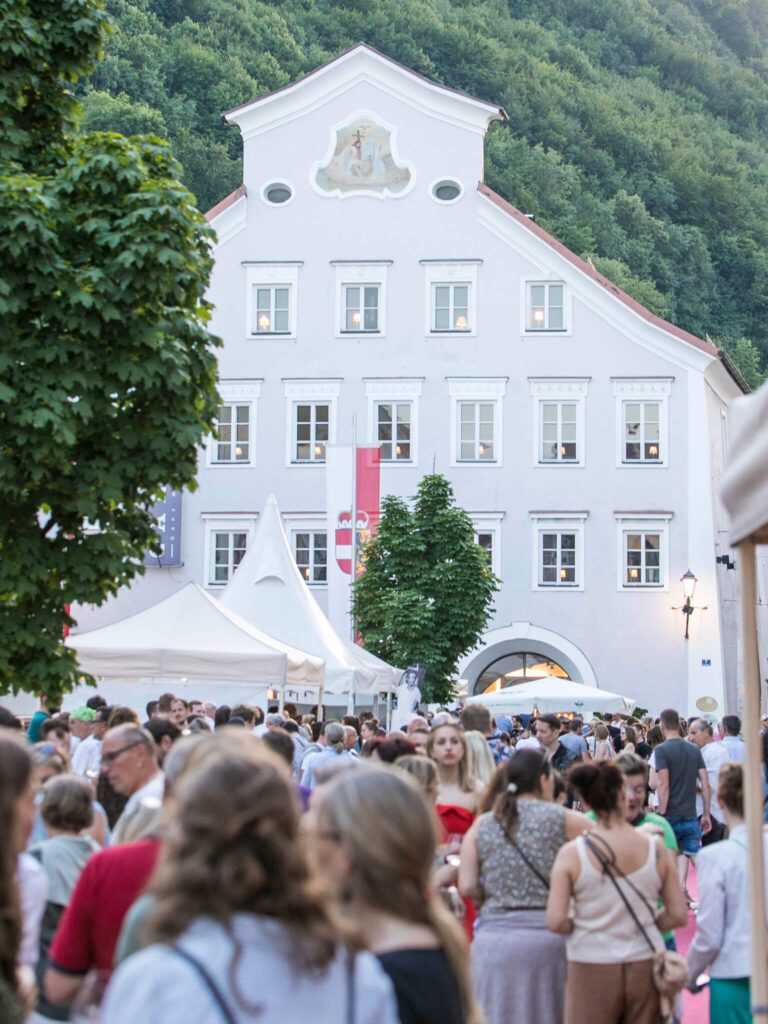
[(623, 319), (230, 222), (361, 65)]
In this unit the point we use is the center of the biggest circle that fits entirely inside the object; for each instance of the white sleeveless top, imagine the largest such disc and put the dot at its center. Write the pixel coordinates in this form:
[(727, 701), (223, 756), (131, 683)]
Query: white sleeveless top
[(604, 930)]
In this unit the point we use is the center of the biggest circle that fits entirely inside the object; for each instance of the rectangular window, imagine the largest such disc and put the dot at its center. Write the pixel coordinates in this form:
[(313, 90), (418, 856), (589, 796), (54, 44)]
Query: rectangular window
[(361, 308), (559, 431), (393, 431), (557, 564), (450, 307), (233, 441), (311, 431), (546, 307), (642, 559), (311, 551), (484, 539), (476, 431), (642, 432), (227, 552), (272, 304)]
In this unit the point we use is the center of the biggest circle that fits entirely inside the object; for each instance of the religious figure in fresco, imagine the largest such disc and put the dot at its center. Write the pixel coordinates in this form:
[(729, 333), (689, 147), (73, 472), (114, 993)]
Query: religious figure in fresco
[(362, 160)]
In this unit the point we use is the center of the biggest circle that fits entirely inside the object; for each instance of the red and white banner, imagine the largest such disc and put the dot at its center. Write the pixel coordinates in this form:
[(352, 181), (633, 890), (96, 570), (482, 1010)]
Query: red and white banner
[(348, 469)]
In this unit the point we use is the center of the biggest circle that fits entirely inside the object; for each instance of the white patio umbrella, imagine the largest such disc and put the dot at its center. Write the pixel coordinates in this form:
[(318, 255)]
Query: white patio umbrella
[(552, 694), (745, 495)]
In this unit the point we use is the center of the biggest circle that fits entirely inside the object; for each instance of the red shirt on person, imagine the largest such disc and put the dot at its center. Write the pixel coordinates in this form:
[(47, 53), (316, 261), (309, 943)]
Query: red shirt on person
[(110, 883)]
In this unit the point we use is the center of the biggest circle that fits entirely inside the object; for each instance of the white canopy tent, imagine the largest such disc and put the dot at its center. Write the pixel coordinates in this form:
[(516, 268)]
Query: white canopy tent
[(551, 694), (192, 636), (745, 494), (269, 590)]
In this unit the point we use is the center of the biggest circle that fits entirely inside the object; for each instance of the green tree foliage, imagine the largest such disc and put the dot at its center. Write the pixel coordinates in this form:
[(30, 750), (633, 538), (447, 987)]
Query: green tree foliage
[(637, 131), (427, 591), (107, 371)]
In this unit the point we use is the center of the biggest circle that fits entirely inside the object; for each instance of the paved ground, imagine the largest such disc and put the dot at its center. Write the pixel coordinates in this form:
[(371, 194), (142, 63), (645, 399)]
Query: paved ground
[(695, 1008)]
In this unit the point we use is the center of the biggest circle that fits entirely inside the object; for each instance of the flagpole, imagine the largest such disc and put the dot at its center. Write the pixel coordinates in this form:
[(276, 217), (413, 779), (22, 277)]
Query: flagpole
[(351, 701)]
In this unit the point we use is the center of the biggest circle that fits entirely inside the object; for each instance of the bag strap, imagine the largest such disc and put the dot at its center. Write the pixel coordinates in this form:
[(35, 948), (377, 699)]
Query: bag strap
[(609, 867), (512, 842), (205, 976)]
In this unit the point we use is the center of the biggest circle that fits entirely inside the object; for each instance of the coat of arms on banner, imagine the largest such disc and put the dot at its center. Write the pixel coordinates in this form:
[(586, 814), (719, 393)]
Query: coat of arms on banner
[(344, 539)]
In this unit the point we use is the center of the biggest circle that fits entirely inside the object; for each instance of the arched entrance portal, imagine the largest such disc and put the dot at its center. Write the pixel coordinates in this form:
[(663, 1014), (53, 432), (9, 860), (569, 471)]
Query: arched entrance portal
[(520, 653)]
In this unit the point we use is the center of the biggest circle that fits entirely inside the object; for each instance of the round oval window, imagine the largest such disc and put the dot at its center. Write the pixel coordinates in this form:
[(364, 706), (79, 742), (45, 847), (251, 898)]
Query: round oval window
[(446, 190), (277, 193)]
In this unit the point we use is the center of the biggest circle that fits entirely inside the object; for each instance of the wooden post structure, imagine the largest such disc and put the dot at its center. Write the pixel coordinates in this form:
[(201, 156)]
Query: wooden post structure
[(753, 779)]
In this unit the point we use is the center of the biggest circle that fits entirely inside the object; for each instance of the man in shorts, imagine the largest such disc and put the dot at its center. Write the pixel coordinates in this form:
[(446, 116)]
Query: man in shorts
[(680, 772)]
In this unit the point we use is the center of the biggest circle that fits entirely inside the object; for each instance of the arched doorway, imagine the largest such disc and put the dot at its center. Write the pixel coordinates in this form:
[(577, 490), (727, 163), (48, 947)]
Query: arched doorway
[(518, 667), (524, 652)]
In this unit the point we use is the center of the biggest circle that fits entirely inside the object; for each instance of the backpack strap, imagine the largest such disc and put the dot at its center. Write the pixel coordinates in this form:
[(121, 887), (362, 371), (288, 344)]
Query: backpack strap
[(205, 976)]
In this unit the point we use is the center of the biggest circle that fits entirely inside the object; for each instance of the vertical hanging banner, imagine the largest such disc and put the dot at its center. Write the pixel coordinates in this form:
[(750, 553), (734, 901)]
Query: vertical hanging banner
[(168, 515), (348, 469)]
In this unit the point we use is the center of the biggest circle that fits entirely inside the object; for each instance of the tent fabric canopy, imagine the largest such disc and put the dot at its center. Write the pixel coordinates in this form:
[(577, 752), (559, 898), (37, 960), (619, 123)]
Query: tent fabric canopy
[(269, 590), (552, 694), (745, 480), (191, 634)]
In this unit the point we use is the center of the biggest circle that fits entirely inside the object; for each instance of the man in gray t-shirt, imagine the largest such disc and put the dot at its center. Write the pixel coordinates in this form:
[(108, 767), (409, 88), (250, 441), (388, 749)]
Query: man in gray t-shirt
[(680, 770)]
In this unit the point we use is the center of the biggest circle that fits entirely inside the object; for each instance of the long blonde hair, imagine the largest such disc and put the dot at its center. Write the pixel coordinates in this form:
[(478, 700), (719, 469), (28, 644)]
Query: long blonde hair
[(466, 780), (384, 822), (480, 763)]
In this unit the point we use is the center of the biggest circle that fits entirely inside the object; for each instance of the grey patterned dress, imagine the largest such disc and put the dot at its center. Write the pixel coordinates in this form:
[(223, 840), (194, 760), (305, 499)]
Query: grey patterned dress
[(518, 966)]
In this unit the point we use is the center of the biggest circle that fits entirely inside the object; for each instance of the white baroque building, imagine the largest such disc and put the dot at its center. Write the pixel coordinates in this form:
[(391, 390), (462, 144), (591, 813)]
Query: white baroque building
[(368, 282)]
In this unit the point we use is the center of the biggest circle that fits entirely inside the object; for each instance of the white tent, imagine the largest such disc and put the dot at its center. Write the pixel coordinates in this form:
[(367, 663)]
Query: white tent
[(269, 590), (745, 494), (191, 635), (552, 694)]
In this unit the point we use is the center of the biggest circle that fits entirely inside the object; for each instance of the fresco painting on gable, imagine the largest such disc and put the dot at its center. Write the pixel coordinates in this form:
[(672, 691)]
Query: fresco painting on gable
[(362, 161)]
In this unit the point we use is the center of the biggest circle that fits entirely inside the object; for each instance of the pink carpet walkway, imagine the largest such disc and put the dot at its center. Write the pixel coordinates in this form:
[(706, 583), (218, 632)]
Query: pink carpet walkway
[(695, 1007)]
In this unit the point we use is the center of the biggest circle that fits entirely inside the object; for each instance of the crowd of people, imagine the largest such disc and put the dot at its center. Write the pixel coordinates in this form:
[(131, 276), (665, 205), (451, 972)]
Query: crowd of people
[(206, 863)]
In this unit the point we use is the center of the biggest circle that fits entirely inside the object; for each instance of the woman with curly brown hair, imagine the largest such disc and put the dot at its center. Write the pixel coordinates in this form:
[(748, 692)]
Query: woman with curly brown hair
[(17, 811), (239, 926)]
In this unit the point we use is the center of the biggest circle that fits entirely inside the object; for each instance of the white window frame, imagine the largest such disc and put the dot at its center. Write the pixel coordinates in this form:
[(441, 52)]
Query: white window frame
[(271, 275), (310, 522), (233, 522), (558, 522), (525, 304), (633, 390), (394, 391), (559, 390), (642, 522), (245, 392), (490, 390), (451, 272), (490, 522), (360, 275), (309, 392)]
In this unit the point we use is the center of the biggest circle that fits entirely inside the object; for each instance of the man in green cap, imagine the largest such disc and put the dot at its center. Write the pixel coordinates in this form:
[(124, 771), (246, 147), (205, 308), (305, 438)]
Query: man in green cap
[(86, 756)]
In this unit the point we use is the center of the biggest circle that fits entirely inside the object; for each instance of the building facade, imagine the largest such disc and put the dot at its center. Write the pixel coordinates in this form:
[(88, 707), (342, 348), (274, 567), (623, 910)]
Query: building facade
[(370, 287)]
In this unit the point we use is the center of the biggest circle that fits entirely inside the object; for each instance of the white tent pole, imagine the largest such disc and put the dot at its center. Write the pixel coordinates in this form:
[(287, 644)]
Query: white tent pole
[(281, 707), (753, 778), (320, 715), (353, 570), (389, 710)]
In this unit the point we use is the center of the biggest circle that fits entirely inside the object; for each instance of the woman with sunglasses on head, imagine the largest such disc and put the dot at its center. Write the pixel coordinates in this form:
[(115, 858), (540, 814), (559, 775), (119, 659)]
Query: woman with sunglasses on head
[(506, 860)]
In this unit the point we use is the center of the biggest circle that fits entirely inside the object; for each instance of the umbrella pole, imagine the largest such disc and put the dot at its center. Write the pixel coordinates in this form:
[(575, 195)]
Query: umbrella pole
[(320, 715), (753, 779), (389, 710), (281, 708)]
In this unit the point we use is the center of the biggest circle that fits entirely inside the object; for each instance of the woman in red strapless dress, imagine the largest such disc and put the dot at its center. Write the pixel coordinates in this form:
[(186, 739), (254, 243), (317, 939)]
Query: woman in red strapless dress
[(458, 795)]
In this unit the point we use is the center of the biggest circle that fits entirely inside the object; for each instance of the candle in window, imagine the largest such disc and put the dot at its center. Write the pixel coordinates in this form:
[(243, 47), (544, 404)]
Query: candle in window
[(538, 317), (318, 450), (356, 318), (398, 449), (263, 322), (653, 450), (238, 451), (563, 574), (461, 323), (634, 574)]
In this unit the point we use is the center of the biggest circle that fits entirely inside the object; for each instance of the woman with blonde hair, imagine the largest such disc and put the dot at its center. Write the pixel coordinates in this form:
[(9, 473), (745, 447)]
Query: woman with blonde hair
[(480, 763), (241, 931), (376, 840)]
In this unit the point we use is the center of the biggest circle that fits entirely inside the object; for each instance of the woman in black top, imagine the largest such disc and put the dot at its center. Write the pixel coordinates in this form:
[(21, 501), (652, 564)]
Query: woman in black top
[(376, 841)]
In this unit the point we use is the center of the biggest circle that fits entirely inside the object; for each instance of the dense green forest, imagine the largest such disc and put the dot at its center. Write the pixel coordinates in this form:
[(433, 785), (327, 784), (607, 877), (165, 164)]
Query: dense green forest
[(637, 129)]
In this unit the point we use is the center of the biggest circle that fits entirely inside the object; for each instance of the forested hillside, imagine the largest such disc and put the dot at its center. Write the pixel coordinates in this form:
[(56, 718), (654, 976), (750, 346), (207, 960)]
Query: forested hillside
[(637, 130)]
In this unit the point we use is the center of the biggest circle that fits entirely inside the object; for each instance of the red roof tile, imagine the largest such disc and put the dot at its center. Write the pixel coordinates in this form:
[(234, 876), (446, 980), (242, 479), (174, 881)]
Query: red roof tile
[(224, 204)]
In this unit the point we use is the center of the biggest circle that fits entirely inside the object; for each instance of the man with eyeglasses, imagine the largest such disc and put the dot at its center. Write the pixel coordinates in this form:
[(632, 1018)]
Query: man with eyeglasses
[(129, 761)]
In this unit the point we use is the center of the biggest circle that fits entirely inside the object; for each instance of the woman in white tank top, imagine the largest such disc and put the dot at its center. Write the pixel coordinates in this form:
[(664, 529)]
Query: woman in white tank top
[(609, 960)]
